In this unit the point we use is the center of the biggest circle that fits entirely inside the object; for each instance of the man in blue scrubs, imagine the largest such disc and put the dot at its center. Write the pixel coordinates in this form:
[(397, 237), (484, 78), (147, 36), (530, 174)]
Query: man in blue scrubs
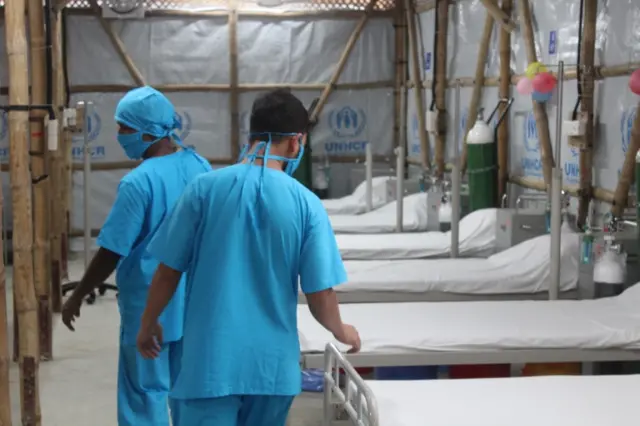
[(246, 235), (147, 121)]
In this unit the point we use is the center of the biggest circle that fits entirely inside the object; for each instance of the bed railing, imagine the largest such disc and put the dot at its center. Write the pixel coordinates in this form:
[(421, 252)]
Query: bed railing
[(356, 399)]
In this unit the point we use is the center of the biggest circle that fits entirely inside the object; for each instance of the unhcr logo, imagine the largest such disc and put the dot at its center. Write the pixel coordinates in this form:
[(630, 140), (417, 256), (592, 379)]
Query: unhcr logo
[(347, 122), (531, 142), (626, 123), (185, 121), (94, 126)]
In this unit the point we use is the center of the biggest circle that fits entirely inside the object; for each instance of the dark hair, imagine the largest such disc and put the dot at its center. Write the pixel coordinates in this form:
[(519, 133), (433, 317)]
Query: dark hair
[(278, 111)]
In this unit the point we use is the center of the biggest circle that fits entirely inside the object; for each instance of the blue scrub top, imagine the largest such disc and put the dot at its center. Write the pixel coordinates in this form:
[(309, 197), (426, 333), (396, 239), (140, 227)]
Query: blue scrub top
[(244, 235), (145, 197)]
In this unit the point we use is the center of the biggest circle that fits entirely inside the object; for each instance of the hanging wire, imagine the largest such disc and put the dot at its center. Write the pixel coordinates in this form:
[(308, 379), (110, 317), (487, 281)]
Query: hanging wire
[(578, 70), (434, 61)]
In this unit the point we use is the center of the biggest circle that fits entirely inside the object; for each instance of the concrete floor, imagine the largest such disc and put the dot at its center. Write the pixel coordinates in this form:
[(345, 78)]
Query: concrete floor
[(78, 388)]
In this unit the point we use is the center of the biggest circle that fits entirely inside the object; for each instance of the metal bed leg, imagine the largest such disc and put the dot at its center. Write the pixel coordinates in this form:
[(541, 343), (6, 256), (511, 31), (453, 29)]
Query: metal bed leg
[(365, 411)]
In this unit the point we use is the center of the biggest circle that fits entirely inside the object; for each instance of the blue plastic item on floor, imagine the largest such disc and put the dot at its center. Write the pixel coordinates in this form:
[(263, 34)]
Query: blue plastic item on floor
[(312, 380), (406, 373)]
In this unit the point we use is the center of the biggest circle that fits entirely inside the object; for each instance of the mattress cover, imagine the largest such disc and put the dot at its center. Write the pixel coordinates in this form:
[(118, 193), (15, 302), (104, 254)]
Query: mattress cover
[(521, 269), (526, 401), (383, 220), (477, 237), (610, 323), (356, 202)]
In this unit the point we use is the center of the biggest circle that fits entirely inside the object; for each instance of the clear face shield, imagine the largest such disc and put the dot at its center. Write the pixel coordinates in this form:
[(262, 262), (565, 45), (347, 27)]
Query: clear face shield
[(262, 148)]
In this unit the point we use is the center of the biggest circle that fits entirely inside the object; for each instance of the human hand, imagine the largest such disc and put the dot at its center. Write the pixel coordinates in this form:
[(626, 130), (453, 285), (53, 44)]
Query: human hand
[(149, 341), (71, 311), (349, 336)]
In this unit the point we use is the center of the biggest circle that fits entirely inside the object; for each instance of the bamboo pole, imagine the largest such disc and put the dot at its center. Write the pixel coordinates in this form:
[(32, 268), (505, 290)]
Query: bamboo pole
[(399, 76), (539, 112), (587, 59), (628, 169), (425, 148), (599, 194), (118, 45), (41, 189), (5, 384), (58, 209), (476, 96), (342, 61), (24, 291), (505, 92), (502, 18), (234, 96), (441, 85)]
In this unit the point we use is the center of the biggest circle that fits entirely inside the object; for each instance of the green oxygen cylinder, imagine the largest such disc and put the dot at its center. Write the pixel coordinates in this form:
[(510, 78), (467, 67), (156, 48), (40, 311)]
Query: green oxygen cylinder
[(304, 173), (482, 169)]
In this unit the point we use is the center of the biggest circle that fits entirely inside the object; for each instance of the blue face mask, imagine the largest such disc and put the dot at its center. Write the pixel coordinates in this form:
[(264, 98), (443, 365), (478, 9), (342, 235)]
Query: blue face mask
[(133, 144), (292, 164)]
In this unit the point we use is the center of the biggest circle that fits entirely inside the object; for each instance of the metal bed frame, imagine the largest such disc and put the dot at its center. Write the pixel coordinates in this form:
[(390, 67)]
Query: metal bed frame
[(509, 356), (356, 400)]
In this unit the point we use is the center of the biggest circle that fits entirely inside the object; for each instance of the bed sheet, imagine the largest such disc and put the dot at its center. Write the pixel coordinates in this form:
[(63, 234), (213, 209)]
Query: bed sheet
[(526, 401), (356, 202), (522, 269), (477, 236), (383, 220), (611, 323)]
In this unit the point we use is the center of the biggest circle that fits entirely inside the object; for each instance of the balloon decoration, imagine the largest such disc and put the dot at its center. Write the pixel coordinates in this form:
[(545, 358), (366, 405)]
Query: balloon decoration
[(634, 82), (524, 86), (539, 83)]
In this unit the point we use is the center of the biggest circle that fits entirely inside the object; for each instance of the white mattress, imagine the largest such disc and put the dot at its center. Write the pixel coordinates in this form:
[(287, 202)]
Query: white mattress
[(526, 401), (612, 323), (356, 203), (522, 269), (477, 236), (383, 220)]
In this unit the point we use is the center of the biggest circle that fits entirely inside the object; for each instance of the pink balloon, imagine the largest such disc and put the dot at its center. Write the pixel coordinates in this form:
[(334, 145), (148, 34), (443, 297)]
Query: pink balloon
[(524, 86), (634, 82), (543, 82)]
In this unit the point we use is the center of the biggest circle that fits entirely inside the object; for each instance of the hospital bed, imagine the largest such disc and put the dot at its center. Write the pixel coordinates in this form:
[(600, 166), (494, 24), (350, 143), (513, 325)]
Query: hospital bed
[(487, 332), (477, 236), (383, 192), (383, 220), (520, 272), (522, 401)]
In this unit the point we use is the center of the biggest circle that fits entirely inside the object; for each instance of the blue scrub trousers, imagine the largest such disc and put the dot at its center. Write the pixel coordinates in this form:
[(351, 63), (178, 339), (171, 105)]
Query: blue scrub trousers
[(234, 410), (144, 385)]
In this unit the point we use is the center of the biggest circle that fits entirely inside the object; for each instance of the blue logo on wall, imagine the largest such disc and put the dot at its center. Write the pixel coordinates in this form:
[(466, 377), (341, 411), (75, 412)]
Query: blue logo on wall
[(626, 123), (94, 126), (415, 136), (185, 119), (347, 122), (572, 168), (531, 164)]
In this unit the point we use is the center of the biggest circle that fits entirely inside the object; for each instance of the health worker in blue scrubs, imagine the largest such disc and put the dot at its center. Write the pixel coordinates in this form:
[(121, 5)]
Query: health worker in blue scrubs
[(147, 122), (246, 236)]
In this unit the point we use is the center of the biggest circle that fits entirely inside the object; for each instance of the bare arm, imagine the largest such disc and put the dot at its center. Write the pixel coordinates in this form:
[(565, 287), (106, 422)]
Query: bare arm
[(102, 265), (163, 287), (324, 308)]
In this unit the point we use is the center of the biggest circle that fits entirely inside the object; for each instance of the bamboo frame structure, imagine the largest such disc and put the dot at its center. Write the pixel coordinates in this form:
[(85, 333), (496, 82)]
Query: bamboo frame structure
[(400, 33), (587, 59), (599, 194), (476, 96), (539, 112), (627, 174), (441, 85), (425, 148), (355, 35), (499, 15), (505, 92), (58, 209), (39, 169), (24, 290), (5, 360), (234, 96)]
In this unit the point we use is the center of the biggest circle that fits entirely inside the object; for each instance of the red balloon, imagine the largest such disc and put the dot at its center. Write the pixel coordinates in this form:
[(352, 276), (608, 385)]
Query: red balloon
[(634, 82), (544, 82)]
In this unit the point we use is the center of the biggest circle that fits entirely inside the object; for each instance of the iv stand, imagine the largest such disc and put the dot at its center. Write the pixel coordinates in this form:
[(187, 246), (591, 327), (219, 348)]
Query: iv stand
[(455, 180)]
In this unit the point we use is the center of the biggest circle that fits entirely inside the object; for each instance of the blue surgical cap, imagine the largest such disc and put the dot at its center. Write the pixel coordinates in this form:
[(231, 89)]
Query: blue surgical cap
[(148, 111)]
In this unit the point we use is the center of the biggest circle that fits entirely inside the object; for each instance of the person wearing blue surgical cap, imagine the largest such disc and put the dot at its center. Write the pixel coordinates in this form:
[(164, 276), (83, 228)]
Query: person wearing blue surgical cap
[(147, 122), (246, 236)]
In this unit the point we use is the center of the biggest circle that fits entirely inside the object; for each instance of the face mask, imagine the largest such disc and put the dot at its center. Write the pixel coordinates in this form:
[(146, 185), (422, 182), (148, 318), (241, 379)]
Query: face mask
[(290, 165), (133, 144)]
